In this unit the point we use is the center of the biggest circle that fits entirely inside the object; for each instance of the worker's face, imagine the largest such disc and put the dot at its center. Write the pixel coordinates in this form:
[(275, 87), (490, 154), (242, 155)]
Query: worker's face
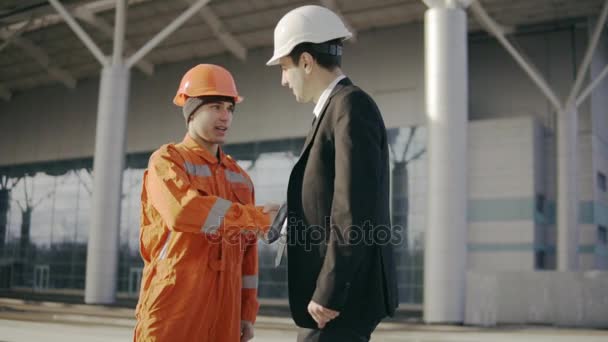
[(211, 122), (296, 78)]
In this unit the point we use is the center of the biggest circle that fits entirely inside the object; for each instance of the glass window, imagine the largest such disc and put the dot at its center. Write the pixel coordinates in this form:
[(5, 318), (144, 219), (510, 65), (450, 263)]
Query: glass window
[(408, 208), (601, 181), (129, 261), (602, 235), (45, 214)]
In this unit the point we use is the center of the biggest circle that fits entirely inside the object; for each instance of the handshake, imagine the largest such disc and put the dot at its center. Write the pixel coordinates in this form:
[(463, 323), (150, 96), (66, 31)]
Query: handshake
[(277, 214), (271, 209)]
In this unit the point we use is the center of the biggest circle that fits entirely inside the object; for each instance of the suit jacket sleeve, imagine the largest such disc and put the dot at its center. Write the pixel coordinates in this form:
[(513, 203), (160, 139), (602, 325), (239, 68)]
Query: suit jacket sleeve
[(358, 142)]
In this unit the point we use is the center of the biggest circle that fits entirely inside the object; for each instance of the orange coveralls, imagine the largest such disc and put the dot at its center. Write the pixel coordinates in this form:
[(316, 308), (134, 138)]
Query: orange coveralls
[(199, 247)]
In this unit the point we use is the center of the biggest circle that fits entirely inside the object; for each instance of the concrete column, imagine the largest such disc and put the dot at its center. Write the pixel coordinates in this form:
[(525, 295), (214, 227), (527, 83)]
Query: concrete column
[(567, 190), (447, 116), (102, 249)]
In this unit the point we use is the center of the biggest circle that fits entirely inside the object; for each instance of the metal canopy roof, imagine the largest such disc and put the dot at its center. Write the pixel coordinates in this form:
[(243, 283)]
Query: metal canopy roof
[(37, 47)]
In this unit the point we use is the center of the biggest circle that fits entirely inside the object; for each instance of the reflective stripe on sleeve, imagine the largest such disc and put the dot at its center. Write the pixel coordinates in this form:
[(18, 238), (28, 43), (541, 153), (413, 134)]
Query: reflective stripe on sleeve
[(216, 216)]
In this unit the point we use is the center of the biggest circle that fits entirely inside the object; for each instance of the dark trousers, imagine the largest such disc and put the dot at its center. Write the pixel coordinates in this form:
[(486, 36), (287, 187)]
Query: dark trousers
[(362, 334)]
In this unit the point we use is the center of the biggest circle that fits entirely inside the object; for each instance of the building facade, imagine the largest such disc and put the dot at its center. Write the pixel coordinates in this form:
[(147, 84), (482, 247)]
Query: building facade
[(47, 140)]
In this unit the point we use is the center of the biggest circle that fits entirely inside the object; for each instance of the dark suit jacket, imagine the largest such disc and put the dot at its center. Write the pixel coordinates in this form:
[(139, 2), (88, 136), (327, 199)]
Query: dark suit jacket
[(339, 249)]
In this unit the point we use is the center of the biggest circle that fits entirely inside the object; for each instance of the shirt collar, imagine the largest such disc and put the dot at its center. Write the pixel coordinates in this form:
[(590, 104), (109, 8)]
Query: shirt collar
[(325, 95), (192, 145)]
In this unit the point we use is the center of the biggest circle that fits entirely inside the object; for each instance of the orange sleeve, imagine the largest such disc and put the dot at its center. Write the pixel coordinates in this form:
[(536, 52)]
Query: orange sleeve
[(187, 209)]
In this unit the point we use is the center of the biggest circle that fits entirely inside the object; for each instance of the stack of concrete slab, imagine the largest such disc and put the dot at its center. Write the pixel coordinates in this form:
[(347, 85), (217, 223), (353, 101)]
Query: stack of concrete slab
[(571, 299)]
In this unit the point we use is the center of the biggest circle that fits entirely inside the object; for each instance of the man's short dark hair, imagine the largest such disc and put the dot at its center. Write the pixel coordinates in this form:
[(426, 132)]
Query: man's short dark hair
[(327, 54)]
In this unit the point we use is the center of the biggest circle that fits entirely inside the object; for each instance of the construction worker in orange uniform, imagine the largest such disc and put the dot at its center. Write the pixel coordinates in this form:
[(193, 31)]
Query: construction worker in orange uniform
[(199, 225)]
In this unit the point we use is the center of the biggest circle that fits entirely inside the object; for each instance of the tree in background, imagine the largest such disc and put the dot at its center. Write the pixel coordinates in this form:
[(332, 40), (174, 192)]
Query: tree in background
[(27, 205), (409, 260), (6, 185)]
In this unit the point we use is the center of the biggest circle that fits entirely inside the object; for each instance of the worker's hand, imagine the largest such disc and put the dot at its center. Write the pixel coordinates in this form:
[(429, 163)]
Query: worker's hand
[(320, 314), (246, 331), (271, 209)]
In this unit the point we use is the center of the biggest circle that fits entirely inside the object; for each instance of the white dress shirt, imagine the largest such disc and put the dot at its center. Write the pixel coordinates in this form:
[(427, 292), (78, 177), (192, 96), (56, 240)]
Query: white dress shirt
[(325, 95)]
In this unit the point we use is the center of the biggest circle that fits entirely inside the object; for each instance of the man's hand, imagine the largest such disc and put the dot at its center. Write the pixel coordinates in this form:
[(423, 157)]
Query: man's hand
[(246, 331), (320, 314), (271, 209)]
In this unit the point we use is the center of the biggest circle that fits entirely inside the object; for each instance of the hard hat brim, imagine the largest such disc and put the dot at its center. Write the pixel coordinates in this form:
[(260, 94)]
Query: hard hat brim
[(273, 61), (180, 99)]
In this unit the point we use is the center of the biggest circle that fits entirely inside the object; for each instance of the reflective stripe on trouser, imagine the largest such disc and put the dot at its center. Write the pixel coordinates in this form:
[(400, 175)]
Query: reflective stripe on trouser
[(250, 282)]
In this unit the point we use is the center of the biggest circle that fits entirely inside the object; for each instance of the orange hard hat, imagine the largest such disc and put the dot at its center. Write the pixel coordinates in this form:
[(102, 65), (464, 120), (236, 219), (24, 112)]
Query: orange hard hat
[(206, 80)]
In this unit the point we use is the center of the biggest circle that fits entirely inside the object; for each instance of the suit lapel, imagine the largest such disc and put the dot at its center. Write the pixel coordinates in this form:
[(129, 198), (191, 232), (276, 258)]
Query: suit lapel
[(313, 131)]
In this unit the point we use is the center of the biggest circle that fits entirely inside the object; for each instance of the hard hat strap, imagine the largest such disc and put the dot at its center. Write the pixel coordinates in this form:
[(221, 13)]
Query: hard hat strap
[(328, 49)]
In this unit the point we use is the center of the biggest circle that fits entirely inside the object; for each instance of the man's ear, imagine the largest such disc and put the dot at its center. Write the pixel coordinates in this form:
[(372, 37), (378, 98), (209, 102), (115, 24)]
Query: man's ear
[(307, 61)]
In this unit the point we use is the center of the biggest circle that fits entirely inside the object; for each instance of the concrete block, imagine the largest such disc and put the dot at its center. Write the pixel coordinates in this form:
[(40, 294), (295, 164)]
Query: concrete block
[(511, 302), (568, 295), (538, 296), (480, 307), (568, 299), (595, 299)]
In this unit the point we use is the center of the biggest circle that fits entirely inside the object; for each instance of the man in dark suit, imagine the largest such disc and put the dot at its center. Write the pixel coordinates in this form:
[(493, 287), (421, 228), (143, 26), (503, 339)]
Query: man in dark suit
[(341, 271)]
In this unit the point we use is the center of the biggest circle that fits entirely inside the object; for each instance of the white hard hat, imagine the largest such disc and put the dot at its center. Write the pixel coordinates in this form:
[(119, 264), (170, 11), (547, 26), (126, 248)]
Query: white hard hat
[(306, 24)]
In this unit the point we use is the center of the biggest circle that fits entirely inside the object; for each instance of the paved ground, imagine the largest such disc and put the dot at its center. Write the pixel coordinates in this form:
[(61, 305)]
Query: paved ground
[(30, 321), (26, 331)]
